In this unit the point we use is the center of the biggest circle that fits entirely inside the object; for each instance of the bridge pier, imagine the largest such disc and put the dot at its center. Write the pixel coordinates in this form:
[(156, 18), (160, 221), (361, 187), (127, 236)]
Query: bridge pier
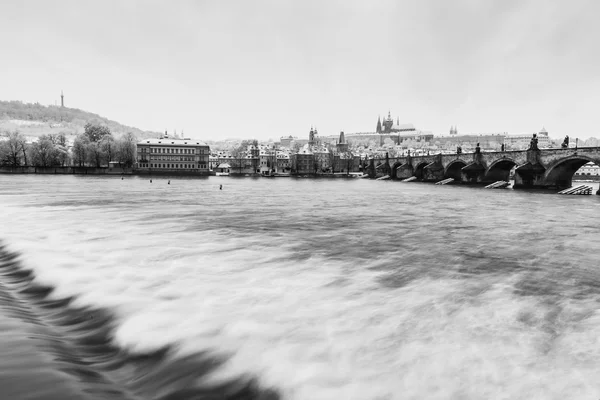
[(404, 171), (531, 173), (529, 176), (371, 169), (433, 172), (473, 173)]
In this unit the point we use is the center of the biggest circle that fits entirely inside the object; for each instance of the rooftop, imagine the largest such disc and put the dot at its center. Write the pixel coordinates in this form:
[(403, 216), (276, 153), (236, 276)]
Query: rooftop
[(176, 142)]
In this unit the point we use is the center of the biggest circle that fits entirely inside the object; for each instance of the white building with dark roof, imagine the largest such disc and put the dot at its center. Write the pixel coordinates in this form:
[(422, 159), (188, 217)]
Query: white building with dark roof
[(173, 155), (589, 169)]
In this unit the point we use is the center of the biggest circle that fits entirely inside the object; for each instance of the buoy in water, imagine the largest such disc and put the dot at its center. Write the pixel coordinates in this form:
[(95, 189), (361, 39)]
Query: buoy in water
[(168, 183), (220, 187)]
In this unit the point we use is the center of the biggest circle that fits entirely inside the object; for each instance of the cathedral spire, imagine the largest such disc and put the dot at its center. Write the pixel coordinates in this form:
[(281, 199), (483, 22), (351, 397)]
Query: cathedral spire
[(378, 124)]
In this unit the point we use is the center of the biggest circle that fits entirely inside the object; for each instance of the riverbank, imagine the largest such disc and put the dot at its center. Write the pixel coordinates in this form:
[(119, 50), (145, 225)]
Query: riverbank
[(132, 171), (586, 178), (67, 170)]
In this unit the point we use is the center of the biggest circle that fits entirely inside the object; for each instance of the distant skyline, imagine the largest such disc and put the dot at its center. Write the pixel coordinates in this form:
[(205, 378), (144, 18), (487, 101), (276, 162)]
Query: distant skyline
[(265, 69)]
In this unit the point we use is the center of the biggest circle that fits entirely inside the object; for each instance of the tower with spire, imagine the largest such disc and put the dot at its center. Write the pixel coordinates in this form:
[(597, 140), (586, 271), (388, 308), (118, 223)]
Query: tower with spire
[(388, 123), (342, 145), (62, 99), (378, 124)]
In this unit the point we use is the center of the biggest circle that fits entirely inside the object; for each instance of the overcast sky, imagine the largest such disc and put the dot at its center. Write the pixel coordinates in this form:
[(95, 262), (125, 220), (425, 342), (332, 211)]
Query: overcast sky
[(263, 69)]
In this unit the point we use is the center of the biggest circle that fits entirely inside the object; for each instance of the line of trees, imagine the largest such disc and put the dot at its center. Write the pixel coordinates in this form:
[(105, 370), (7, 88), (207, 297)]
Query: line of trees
[(239, 159), (95, 147)]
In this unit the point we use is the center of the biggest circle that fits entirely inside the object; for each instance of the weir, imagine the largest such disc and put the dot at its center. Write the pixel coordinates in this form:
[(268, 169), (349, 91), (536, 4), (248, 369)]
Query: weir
[(498, 185), (581, 189)]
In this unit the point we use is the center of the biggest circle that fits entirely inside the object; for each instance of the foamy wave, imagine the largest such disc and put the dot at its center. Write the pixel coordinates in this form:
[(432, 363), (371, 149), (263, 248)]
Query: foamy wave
[(80, 341)]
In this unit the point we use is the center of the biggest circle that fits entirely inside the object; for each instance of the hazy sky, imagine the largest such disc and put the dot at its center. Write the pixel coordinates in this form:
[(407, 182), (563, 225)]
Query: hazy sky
[(264, 69)]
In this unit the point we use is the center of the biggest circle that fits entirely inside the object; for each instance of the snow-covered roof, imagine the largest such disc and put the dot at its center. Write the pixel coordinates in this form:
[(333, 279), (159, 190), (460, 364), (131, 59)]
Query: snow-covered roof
[(174, 142), (403, 127)]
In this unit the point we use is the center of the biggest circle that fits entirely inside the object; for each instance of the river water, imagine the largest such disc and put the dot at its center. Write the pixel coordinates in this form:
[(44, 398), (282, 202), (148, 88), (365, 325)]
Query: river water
[(301, 289)]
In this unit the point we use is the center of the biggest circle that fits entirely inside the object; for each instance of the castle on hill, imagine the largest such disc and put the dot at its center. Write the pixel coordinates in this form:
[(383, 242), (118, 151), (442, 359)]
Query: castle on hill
[(388, 125)]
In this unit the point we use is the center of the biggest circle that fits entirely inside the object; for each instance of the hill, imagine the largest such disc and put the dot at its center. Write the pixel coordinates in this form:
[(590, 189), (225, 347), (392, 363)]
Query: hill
[(37, 119)]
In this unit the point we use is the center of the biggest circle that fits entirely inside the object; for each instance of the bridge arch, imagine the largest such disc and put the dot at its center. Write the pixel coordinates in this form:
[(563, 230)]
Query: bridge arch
[(453, 170), (499, 170), (560, 173), (419, 170), (395, 167)]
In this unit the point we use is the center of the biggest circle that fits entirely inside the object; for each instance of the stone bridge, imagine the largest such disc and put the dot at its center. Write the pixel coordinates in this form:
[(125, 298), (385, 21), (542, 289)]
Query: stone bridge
[(545, 168)]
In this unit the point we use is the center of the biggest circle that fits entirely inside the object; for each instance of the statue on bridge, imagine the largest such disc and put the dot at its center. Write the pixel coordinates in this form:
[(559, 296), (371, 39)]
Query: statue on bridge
[(477, 149), (458, 150), (502, 147), (534, 143), (565, 143)]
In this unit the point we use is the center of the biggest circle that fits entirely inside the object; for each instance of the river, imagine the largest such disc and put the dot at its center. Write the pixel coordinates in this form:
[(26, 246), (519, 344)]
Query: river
[(302, 289)]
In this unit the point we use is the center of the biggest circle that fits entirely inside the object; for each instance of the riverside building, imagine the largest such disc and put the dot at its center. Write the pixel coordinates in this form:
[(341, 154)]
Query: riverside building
[(173, 155)]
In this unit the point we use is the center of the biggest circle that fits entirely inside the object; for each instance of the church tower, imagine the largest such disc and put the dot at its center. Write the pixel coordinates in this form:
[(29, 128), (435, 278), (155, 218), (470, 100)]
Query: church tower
[(388, 123), (62, 99), (311, 137), (378, 124)]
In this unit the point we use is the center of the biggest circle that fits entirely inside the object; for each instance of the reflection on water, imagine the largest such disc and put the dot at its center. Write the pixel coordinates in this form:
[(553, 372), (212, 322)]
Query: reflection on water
[(311, 289)]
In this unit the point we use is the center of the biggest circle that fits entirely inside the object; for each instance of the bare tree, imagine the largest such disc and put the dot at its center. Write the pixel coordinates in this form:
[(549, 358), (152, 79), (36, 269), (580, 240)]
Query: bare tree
[(255, 155), (95, 132), (13, 148), (95, 154), (61, 152), (126, 150), (80, 150), (107, 144), (237, 157), (43, 152)]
